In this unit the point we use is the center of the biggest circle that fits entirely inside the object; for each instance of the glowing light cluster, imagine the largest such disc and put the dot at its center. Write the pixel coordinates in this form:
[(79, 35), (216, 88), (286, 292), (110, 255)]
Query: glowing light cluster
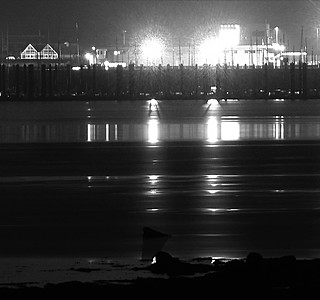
[(90, 58), (278, 47), (210, 50), (229, 35), (152, 48)]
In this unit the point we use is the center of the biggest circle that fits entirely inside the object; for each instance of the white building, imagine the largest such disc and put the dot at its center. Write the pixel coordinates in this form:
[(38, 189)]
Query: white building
[(32, 53)]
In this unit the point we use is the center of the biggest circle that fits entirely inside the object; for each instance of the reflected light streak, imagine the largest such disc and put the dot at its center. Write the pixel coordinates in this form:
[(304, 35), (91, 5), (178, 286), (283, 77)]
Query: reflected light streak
[(153, 179), (107, 132), (213, 191), (90, 132), (153, 191), (220, 210), (116, 132), (212, 177), (153, 131), (279, 128), (230, 130), (212, 130), (152, 209)]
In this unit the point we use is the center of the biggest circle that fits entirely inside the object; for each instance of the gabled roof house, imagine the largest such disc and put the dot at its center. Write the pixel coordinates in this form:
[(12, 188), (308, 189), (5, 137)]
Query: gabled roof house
[(30, 52), (46, 52)]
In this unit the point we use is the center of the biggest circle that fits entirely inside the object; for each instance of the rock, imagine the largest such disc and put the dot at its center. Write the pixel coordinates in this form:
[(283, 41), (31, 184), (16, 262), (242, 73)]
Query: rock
[(166, 264)]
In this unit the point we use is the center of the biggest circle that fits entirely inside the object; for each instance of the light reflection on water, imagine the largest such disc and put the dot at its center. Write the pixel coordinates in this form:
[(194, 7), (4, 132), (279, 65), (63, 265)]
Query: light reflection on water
[(153, 131), (208, 123)]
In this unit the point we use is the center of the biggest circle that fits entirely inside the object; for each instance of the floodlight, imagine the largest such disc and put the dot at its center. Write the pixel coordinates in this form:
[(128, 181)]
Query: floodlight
[(229, 36), (278, 47), (152, 48), (209, 51)]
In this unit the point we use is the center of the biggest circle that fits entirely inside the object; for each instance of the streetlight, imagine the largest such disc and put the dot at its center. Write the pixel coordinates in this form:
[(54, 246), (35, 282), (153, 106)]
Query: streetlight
[(317, 44), (124, 37), (277, 34), (94, 54)]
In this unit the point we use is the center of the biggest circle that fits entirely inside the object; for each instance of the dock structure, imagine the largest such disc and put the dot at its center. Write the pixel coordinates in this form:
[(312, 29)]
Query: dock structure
[(55, 82)]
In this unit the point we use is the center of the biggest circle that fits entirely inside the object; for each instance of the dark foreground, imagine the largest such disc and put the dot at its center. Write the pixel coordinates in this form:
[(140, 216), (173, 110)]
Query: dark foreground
[(254, 277)]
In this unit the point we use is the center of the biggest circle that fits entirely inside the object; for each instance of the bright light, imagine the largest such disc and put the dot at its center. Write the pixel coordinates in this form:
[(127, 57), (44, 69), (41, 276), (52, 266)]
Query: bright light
[(229, 36), (91, 131), (152, 49), (213, 102), (153, 104), (210, 51), (89, 57), (230, 130), (212, 130), (153, 131), (108, 65), (278, 47)]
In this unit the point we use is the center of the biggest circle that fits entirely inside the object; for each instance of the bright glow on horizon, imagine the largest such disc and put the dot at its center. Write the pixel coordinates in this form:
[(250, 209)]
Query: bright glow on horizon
[(229, 36), (209, 51), (152, 49)]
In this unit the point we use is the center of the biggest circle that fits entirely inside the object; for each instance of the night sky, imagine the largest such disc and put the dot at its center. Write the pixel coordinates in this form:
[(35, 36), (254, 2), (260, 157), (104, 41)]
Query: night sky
[(101, 22)]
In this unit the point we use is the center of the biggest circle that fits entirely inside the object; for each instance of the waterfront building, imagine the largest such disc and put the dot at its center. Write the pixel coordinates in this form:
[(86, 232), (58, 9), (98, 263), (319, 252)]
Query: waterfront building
[(30, 52), (35, 53), (230, 47)]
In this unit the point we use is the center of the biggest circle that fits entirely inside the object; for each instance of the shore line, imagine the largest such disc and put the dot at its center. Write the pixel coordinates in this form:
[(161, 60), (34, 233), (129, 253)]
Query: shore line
[(286, 277)]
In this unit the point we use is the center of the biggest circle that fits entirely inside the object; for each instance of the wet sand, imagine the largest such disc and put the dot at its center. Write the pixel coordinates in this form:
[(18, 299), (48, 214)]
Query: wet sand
[(266, 276), (254, 277)]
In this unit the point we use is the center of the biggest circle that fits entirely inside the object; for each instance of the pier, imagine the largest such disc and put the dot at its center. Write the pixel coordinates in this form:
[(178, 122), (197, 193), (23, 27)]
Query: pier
[(58, 82)]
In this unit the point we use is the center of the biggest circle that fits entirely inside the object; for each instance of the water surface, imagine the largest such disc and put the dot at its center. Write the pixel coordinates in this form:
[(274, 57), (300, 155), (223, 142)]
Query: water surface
[(222, 178)]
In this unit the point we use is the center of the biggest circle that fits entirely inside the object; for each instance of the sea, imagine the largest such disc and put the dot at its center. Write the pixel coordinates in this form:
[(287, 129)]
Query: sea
[(80, 180)]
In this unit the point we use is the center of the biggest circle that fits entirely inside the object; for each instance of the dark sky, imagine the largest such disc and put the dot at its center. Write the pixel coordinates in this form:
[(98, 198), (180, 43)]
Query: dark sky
[(102, 21)]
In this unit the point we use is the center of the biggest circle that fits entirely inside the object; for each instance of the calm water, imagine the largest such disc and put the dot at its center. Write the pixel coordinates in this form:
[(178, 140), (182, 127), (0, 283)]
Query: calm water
[(138, 121), (223, 179)]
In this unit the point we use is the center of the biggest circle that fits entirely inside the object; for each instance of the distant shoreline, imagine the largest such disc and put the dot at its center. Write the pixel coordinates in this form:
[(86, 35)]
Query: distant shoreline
[(157, 97)]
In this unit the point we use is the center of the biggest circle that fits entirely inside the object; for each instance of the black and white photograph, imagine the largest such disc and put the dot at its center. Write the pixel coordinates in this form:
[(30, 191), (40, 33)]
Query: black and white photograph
[(153, 148)]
